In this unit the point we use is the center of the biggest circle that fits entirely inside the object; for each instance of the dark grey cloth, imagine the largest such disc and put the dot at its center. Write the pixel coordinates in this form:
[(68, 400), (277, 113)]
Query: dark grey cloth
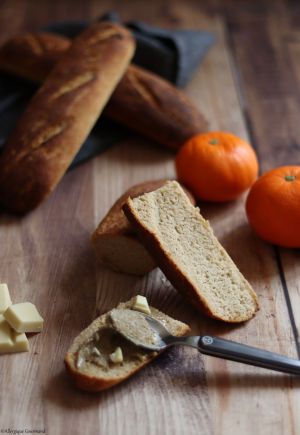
[(172, 54)]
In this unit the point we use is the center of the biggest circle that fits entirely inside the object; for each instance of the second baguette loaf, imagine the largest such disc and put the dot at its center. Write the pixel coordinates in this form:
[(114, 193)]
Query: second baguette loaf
[(61, 115), (32, 55), (157, 109), (142, 101), (115, 242)]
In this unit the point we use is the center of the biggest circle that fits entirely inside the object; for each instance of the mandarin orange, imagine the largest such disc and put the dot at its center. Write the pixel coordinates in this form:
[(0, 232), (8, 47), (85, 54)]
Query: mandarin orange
[(273, 206), (216, 166)]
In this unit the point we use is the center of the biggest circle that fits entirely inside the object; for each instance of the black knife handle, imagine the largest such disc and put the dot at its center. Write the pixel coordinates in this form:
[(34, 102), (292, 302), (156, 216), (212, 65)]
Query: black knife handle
[(233, 351)]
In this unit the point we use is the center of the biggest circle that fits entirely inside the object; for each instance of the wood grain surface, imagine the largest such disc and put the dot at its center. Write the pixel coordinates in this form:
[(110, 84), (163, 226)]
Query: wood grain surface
[(249, 84)]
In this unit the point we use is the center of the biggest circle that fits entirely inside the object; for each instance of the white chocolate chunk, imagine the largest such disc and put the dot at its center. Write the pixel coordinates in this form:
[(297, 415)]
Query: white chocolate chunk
[(11, 341), (140, 303), (21, 343), (117, 356), (5, 300), (24, 317), (6, 341)]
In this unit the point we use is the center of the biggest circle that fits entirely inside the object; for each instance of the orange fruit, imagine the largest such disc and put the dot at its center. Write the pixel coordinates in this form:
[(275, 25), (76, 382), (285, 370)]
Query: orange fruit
[(216, 166), (273, 206)]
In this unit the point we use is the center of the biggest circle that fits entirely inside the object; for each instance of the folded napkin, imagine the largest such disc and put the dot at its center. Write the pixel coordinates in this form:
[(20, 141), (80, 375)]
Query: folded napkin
[(172, 54)]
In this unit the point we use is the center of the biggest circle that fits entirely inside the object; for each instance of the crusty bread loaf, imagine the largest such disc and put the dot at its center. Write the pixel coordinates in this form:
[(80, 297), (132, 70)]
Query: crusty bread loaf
[(61, 115), (32, 55), (115, 242), (155, 108), (142, 100), (94, 378), (185, 248)]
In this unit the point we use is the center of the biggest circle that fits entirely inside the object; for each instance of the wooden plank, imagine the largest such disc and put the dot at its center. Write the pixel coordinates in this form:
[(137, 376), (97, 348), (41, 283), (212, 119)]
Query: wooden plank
[(288, 48), (290, 258), (291, 268), (271, 328), (267, 51), (11, 18), (271, 92), (54, 241), (269, 81)]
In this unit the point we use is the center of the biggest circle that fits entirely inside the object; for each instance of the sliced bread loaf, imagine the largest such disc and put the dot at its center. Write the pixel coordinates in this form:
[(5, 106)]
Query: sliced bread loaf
[(185, 248), (99, 373), (115, 242)]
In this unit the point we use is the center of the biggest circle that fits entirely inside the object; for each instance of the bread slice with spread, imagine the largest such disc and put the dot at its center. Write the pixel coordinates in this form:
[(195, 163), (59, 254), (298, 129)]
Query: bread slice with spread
[(92, 359)]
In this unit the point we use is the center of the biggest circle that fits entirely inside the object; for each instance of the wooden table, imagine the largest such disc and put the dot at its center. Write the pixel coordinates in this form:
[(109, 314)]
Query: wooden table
[(249, 84)]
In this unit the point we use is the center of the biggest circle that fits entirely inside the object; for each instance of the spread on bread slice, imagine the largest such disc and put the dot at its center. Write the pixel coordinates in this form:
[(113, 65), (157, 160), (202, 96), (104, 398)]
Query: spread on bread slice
[(185, 248), (115, 242), (100, 357)]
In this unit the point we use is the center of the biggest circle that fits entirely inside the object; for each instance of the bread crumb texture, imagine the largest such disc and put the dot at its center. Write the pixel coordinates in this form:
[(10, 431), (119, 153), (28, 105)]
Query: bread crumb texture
[(187, 239)]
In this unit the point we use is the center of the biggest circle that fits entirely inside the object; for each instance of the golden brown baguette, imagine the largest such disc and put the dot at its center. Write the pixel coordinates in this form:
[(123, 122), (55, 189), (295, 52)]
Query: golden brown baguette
[(142, 101), (93, 378), (115, 242), (185, 248), (61, 115)]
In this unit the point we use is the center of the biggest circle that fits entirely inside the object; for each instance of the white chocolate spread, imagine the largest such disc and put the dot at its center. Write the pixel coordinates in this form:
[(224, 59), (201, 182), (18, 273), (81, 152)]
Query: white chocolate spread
[(102, 344), (133, 325)]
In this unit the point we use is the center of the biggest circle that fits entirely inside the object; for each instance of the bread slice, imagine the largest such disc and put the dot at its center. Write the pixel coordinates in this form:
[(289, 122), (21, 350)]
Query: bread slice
[(115, 242), (91, 377), (185, 248)]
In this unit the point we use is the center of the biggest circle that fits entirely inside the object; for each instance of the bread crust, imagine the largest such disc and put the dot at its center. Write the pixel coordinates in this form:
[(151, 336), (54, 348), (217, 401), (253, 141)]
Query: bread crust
[(171, 270), (32, 55), (61, 115), (157, 109), (142, 101), (114, 222), (92, 383), (115, 225), (164, 261)]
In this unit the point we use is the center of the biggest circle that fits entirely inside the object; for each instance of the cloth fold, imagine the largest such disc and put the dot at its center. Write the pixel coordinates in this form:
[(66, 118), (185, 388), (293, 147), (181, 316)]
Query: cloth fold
[(172, 54)]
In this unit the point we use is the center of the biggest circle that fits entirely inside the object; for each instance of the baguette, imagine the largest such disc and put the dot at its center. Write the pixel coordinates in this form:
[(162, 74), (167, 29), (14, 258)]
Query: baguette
[(94, 378), (155, 108), (185, 248), (115, 242), (61, 115), (142, 101)]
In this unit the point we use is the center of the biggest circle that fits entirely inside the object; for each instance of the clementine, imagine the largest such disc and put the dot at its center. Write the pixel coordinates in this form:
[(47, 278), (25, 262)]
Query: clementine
[(216, 166), (273, 206)]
